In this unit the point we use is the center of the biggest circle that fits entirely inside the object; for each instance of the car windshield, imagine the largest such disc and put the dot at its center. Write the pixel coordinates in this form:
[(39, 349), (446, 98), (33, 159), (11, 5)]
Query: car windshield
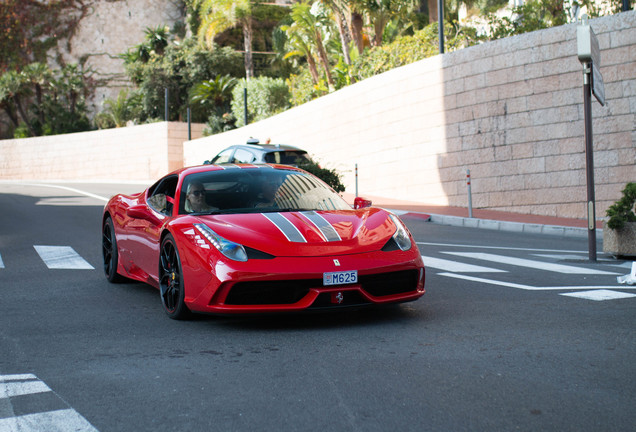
[(256, 190)]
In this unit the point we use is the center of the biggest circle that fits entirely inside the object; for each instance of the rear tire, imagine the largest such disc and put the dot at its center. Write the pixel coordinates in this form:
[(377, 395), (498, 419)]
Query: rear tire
[(171, 285), (109, 252)]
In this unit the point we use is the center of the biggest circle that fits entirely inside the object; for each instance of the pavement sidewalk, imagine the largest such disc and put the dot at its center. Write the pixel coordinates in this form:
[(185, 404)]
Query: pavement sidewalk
[(486, 219)]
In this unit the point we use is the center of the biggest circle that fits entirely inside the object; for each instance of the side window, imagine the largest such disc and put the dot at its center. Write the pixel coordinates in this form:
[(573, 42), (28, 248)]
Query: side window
[(161, 196), (223, 157), (243, 156)]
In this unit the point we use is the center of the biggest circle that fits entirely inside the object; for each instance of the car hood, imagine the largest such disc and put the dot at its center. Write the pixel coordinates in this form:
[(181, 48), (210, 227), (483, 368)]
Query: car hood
[(306, 233)]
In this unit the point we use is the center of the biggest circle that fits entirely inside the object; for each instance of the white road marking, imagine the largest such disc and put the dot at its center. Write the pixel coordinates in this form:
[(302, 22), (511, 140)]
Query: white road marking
[(539, 265), (499, 247), (59, 420), (458, 267), (1, 263), (70, 189), (528, 287), (20, 388), (599, 295), (62, 257), (65, 420)]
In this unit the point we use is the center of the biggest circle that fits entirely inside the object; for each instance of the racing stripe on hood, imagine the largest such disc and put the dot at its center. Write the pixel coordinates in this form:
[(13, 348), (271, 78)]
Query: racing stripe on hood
[(325, 228), (286, 227)]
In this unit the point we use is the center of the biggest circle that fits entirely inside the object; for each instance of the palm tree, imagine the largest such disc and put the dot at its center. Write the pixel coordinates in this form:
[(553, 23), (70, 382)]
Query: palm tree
[(309, 22), (220, 15), (14, 89), (214, 93), (38, 75), (298, 45)]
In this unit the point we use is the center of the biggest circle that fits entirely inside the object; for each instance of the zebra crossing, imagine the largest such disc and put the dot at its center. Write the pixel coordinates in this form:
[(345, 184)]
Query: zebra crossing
[(484, 268), (27, 404), (59, 257)]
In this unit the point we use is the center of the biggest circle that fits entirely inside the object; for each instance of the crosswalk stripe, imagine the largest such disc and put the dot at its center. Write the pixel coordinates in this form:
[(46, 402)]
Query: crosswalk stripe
[(62, 257), (21, 386), (458, 267), (10, 389), (540, 265), (529, 287), (58, 420)]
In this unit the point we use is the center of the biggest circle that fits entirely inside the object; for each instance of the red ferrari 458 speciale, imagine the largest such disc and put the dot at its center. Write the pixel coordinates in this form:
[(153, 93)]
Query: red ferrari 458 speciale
[(257, 238)]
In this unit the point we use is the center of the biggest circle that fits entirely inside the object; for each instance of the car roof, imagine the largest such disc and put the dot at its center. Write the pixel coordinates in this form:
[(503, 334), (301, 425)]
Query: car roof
[(267, 148)]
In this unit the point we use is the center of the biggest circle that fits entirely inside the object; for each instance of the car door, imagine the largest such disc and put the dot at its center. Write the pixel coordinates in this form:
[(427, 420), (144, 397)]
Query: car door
[(145, 231)]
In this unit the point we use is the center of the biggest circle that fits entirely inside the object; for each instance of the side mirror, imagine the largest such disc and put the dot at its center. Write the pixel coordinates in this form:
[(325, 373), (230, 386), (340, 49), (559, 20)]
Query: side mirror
[(140, 211), (360, 202)]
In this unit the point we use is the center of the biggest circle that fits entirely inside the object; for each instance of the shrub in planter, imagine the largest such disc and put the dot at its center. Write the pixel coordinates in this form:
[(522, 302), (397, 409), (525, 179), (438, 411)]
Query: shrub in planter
[(620, 236)]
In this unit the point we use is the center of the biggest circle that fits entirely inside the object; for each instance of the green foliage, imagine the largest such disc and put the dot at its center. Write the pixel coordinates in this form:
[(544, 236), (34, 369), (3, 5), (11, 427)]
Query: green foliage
[(212, 98), (302, 88), (329, 176), (542, 14), (118, 112), (622, 211), (181, 67), (218, 123), (41, 101), (405, 50), (265, 97)]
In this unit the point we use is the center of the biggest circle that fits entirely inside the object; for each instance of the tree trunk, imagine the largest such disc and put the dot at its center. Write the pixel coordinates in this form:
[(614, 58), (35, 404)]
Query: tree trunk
[(432, 11), (247, 41), (345, 34), (10, 113), (18, 104), (356, 28), (313, 70), (324, 59)]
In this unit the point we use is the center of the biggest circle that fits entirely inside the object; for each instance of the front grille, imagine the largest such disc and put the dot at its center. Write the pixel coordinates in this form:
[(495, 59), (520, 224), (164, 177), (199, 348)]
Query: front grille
[(384, 284), (270, 292)]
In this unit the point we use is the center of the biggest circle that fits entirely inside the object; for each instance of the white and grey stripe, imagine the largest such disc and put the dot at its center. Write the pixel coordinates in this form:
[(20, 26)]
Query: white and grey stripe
[(288, 229), (325, 228)]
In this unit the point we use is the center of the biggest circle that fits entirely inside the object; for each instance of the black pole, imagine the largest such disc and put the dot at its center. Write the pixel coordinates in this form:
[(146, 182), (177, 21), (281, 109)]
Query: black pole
[(245, 104), (165, 109), (625, 5), (589, 161), (440, 24), (189, 126)]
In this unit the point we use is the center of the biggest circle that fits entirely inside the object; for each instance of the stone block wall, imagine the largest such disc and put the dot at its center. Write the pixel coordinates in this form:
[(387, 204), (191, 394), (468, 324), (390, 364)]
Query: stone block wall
[(142, 153), (510, 111), (109, 29)]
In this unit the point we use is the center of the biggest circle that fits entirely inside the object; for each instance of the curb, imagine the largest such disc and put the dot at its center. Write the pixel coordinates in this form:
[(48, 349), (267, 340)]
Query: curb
[(519, 227)]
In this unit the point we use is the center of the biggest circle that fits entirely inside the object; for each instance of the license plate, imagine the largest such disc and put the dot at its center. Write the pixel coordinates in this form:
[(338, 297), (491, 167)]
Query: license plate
[(340, 278)]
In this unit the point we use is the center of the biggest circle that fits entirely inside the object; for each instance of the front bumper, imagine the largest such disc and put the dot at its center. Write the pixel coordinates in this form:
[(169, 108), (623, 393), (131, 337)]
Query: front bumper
[(296, 283)]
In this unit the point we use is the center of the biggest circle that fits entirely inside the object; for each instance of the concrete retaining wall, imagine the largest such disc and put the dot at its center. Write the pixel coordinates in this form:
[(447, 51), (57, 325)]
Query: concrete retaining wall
[(510, 110), (143, 152)]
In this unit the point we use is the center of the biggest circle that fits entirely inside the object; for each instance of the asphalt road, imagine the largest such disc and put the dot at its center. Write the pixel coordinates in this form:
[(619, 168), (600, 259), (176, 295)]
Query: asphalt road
[(498, 343)]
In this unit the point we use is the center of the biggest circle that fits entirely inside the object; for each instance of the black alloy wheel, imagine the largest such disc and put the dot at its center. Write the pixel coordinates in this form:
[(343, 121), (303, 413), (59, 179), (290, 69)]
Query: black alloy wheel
[(109, 252), (171, 280)]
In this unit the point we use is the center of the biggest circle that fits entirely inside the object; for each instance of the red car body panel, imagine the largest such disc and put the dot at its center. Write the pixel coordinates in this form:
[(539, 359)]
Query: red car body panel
[(289, 277)]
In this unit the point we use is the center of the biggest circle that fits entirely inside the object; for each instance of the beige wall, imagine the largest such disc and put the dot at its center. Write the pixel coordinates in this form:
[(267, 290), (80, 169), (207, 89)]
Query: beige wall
[(143, 152), (510, 110), (109, 29)]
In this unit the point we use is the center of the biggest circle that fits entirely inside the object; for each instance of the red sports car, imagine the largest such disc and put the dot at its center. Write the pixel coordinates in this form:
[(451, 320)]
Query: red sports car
[(258, 238)]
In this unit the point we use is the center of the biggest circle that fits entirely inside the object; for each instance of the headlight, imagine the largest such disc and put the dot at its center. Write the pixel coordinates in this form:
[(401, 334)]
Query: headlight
[(233, 251), (401, 235)]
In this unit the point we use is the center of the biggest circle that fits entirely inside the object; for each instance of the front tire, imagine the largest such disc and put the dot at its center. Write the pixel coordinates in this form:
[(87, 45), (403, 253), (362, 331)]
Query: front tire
[(171, 285), (109, 252)]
